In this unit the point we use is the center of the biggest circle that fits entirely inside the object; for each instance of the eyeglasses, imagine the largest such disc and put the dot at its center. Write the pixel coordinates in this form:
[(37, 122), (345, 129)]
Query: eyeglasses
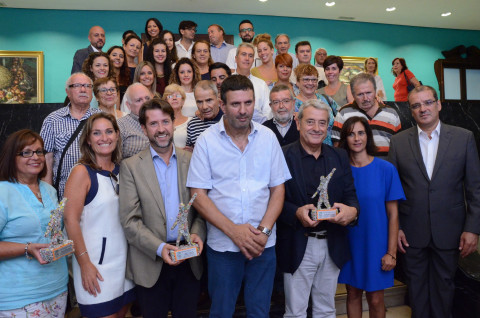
[(278, 102), (78, 85), (246, 30), (114, 181), (426, 103), (174, 95), (110, 90), (29, 153), (311, 80)]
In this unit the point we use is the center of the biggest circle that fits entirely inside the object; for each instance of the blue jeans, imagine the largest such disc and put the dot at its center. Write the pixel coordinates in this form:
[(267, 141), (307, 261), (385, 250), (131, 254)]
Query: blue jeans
[(227, 270)]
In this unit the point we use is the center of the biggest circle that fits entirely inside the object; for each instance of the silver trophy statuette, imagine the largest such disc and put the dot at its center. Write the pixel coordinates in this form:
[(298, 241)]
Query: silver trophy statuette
[(190, 249), (327, 211), (59, 246)]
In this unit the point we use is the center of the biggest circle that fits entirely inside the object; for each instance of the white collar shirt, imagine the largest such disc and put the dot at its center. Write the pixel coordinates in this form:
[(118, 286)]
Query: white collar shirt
[(429, 147)]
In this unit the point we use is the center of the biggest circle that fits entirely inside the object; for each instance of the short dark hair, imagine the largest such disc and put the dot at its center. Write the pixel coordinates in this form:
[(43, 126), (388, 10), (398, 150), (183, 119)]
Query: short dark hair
[(348, 128), (155, 103), (186, 24), (302, 43), (159, 25), (333, 59), (102, 81), (235, 83), (12, 146), (218, 65), (244, 21), (124, 35)]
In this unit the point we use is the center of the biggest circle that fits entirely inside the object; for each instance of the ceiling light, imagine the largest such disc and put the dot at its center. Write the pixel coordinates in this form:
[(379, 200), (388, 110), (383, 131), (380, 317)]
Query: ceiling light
[(263, 0), (330, 4), (446, 14), (391, 9)]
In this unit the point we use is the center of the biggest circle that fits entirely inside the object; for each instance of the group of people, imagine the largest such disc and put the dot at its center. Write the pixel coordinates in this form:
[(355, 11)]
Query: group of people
[(258, 153)]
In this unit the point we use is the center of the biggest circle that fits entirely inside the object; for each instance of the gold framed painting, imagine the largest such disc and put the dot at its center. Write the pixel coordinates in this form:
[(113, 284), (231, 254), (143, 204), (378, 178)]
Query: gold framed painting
[(352, 66), (21, 77)]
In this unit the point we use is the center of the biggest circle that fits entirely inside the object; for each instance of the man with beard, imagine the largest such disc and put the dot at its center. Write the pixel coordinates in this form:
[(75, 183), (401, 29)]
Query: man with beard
[(383, 119), (246, 33), (152, 186), (283, 107), (96, 36)]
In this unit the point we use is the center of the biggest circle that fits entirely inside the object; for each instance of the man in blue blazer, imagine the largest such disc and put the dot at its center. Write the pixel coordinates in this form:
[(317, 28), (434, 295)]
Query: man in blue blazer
[(96, 36), (439, 168), (311, 253)]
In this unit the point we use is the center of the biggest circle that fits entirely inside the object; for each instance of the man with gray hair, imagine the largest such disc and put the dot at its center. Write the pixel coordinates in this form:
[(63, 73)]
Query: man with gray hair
[(133, 138), (383, 119), (282, 102), (282, 44), (311, 253), (61, 131)]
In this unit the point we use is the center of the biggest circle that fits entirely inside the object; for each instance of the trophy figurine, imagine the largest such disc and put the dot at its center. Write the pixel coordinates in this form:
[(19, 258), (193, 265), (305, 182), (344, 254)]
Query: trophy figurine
[(190, 249), (59, 246), (322, 191)]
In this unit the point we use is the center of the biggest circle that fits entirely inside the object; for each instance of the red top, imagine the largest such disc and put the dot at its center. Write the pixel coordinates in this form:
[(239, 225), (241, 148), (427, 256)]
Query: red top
[(400, 86)]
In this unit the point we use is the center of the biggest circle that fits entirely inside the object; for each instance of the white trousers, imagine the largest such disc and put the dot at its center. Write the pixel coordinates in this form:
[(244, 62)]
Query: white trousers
[(317, 274)]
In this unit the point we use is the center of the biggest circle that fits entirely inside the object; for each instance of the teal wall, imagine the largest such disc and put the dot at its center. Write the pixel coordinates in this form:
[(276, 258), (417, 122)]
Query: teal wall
[(59, 33)]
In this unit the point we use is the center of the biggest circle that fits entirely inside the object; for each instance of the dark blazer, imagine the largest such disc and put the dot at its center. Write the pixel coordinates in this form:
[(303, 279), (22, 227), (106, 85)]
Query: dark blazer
[(448, 204), (80, 56), (291, 239), (291, 135)]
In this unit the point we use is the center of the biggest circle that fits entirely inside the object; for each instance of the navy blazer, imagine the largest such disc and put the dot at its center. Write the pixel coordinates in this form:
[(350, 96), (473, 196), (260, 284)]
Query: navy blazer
[(80, 56), (291, 239), (291, 135)]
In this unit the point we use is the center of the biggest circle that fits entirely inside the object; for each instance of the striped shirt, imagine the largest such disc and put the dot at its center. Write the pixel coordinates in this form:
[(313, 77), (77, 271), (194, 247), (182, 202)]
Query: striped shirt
[(384, 124), (133, 138), (57, 128), (196, 126)]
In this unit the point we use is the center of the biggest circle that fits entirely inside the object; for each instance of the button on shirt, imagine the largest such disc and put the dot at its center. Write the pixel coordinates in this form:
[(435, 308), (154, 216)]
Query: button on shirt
[(429, 147), (220, 54), (238, 182), (182, 51), (168, 182)]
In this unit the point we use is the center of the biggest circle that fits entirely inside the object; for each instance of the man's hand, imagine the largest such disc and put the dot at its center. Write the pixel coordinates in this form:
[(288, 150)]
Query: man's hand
[(345, 216), (402, 242), (468, 243), (196, 239), (166, 255), (303, 214), (246, 237)]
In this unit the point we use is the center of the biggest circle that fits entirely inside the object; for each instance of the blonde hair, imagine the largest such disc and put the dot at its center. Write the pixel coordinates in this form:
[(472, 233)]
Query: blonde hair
[(264, 37), (170, 89)]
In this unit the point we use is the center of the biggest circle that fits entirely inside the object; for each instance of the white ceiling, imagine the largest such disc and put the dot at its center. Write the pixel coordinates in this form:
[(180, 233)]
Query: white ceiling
[(424, 13)]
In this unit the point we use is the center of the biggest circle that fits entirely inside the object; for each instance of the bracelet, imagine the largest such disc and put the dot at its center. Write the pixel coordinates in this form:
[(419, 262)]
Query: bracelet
[(392, 256), (82, 253), (26, 250)]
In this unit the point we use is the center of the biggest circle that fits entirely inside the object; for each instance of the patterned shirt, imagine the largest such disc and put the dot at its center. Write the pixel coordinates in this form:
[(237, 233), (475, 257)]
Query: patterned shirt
[(384, 124), (196, 126), (133, 138), (57, 128)]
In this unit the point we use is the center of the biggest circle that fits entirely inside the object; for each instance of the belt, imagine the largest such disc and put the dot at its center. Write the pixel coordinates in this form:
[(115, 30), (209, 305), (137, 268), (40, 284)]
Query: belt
[(316, 235)]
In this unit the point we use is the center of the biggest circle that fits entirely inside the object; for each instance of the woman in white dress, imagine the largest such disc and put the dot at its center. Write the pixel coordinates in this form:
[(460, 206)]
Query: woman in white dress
[(92, 222), (371, 67), (186, 74), (175, 96)]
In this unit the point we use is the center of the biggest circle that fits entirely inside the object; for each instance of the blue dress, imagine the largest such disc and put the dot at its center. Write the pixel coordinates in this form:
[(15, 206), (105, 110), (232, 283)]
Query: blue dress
[(376, 183)]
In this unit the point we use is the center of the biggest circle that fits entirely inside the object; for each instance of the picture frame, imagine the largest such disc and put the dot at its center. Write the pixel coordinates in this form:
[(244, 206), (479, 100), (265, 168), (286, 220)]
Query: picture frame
[(21, 77), (352, 66)]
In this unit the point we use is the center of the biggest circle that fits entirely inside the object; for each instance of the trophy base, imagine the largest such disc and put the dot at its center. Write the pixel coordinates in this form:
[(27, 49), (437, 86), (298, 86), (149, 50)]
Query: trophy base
[(185, 252), (57, 251), (323, 214)]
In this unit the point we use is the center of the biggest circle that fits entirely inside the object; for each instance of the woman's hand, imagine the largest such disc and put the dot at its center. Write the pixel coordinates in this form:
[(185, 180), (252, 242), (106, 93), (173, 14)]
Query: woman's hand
[(388, 262), (34, 250), (90, 277)]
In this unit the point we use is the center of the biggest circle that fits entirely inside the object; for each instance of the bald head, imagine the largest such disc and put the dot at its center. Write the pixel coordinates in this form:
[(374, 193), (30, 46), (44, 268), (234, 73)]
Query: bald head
[(137, 94), (96, 36)]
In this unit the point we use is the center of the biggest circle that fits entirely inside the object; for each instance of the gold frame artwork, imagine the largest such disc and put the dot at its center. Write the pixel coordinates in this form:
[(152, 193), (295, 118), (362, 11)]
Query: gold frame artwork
[(352, 66), (21, 77)]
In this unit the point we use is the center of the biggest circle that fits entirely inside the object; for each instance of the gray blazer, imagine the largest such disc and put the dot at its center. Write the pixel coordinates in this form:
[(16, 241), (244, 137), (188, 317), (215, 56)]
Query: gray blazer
[(80, 56), (448, 204), (142, 215)]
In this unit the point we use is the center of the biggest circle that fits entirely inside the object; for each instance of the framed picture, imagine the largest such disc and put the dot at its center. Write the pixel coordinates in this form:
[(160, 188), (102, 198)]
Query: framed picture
[(21, 77), (352, 66)]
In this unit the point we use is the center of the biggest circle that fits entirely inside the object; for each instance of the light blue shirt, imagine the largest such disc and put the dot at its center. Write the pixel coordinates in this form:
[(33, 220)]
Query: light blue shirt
[(168, 182), (24, 219), (238, 182), (220, 54)]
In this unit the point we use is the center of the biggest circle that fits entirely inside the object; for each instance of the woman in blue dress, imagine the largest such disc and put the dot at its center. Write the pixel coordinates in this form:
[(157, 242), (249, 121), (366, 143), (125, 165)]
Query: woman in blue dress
[(373, 243)]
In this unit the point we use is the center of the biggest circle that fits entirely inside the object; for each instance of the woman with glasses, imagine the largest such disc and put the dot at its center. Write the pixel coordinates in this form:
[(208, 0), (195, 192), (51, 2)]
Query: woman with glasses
[(28, 285), (307, 79), (337, 90), (106, 91), (93, 223), (175, 96)]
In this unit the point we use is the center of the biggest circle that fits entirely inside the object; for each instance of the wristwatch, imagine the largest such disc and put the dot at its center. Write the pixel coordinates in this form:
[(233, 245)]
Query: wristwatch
[(264, 230)]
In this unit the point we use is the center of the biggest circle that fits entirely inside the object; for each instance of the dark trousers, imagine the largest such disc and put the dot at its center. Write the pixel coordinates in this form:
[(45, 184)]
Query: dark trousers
[(176, 289), (430, 276)]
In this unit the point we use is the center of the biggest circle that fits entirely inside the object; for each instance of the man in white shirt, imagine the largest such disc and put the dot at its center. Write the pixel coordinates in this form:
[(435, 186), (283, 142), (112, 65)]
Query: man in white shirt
[(244, 60), (219, 49), (246, 33), (187, 30)]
